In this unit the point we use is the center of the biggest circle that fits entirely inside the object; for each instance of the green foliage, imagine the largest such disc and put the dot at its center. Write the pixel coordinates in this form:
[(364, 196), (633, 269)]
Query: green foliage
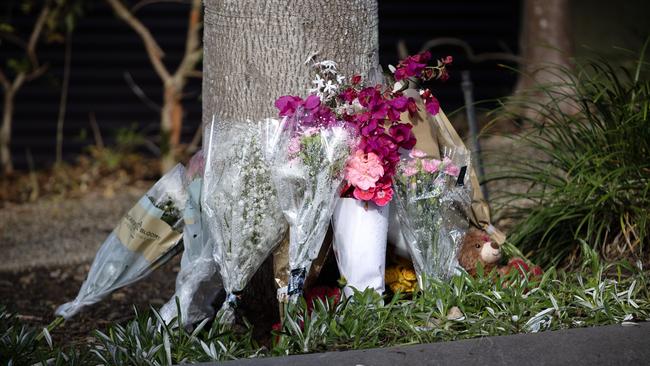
[(22, 345), (127, 141), (585, 164), (597, 294), (510, 305), (143, 342)]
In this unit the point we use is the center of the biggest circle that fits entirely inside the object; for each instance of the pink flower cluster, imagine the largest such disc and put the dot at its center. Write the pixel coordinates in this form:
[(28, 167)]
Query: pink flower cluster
[(375, 113), (419, 163), (370, 170)]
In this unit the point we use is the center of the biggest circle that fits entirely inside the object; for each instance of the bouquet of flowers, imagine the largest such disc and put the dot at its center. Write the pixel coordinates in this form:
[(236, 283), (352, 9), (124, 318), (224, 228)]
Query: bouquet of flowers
[(240, 213), (307, 151), (198, 281), (427, 192), (146, 237), (376, 112)]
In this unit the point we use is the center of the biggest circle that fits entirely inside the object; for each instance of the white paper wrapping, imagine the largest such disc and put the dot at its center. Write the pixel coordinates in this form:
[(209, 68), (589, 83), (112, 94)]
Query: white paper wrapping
[(141, 243), (360, 233), (240, 209)]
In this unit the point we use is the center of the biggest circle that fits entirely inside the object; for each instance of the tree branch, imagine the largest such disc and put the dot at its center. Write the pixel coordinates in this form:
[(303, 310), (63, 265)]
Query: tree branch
[(143, 3), (154, 51), (6, 85), (193, 50), (36, 34), (14, 39)]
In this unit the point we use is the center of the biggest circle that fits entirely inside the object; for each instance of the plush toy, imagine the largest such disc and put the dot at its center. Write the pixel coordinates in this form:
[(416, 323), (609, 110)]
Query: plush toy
[(477, 247)]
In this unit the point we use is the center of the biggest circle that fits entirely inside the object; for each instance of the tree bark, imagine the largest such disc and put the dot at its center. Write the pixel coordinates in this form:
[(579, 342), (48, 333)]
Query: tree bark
[(256, 51), (545, 40), (5, 133)]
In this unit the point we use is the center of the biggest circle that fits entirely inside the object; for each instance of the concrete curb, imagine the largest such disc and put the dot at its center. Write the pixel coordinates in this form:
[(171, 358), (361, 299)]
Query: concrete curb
[(606, 345)]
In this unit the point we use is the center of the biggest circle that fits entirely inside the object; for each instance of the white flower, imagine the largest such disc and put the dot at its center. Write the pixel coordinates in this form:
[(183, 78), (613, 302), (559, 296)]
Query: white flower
[(330, 87), (327, 65), (318, 81), (340, 79)]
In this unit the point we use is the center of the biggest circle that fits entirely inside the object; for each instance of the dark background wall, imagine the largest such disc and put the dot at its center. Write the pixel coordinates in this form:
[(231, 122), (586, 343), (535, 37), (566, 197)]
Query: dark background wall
[(106, 54)]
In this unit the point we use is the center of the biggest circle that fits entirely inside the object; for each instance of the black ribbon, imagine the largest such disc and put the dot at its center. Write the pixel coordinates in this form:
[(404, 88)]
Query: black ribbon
[(296, 281)]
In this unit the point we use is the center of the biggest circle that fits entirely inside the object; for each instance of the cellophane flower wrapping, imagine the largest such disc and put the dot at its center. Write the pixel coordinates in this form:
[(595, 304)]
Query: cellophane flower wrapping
[(198, 282), (431, 197), (241, 215), (307, 158), (146, 237)]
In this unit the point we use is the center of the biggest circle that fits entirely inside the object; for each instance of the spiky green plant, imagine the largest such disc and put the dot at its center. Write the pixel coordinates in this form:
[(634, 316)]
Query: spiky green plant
[(595, 294), (585, 164)]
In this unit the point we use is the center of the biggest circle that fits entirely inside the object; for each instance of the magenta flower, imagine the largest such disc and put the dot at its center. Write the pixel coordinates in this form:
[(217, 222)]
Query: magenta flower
[(401, 74), (348, 95), (412, 107), (399, 103), (311, 102), (412, 66), (363, 170), (430, 102), (403, 135), (288, 104)]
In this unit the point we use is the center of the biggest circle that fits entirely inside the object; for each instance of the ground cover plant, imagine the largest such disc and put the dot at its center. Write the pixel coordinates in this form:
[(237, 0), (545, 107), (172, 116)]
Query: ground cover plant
[(585, 167), (595, 294)]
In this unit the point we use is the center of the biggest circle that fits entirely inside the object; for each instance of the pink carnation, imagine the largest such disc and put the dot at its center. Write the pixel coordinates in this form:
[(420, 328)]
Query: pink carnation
[(450, 168), (410, 168), (431, 166), (415, 153), (363, 170)]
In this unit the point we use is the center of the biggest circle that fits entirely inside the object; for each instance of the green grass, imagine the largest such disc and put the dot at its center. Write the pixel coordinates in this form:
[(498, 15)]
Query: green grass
[(596, 294), (586, 166)]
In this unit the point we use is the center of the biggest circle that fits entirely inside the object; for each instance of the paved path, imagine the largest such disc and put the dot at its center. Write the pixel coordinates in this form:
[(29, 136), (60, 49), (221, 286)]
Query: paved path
[(608, 345), (52, 232)]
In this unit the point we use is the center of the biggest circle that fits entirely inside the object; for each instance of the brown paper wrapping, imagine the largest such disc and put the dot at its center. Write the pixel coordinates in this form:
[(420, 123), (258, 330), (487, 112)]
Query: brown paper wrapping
[(434, 134), (143, 233)]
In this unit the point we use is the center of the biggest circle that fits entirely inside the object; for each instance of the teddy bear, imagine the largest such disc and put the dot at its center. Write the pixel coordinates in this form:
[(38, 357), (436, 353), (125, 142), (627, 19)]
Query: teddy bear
[(477, 247)]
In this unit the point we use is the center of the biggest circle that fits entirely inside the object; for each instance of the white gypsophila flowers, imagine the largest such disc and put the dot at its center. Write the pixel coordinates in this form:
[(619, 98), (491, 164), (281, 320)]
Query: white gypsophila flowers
[(241, 211)]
